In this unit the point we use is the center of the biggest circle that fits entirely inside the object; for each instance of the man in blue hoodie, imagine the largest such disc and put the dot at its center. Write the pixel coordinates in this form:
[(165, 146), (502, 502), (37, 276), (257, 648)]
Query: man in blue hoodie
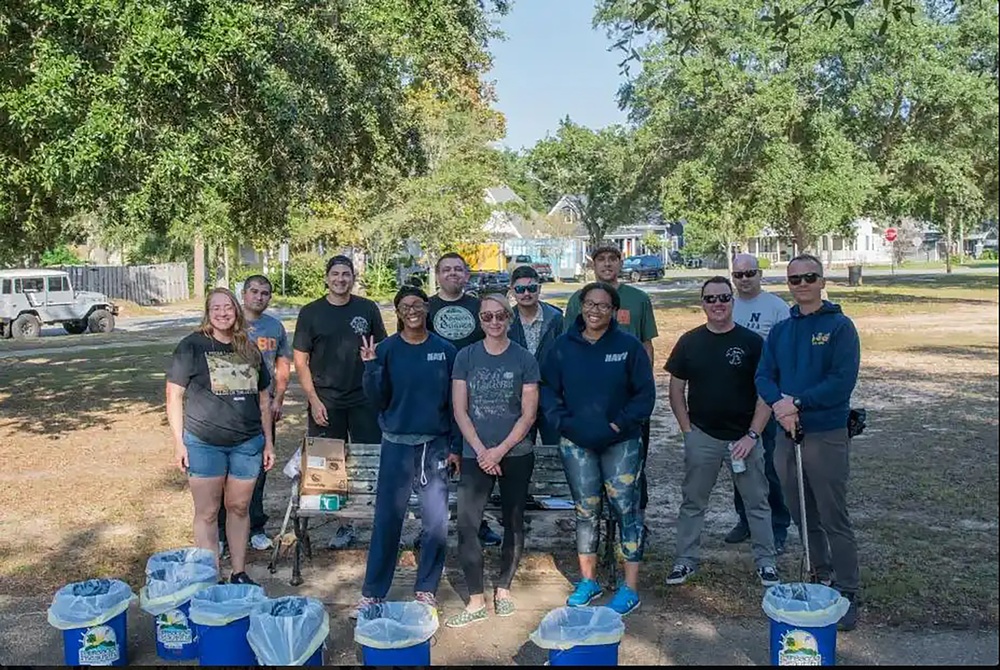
[(807, 373), (535, 326)]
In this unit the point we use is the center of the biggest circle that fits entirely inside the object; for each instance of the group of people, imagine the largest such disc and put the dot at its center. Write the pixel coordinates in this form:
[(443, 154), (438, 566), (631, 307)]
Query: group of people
[(468, 385)]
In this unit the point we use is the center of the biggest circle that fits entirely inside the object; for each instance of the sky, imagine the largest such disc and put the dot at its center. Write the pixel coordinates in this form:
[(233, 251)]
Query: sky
[(553, 64)]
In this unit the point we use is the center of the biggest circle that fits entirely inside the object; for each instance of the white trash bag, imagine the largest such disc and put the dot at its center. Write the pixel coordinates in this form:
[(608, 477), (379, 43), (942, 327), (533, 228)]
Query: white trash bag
[(173, 577), (293, 468), (395, 625), (569, 627), (89, 603), (287, 631), (809, 605), (223, 604)]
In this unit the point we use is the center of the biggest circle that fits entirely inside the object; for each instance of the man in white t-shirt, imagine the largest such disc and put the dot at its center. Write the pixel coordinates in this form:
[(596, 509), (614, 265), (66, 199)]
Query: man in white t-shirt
[(758, 310)]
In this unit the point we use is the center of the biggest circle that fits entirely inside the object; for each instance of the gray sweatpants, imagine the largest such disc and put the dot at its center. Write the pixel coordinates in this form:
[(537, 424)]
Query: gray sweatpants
[(703, 457), (833, 550)]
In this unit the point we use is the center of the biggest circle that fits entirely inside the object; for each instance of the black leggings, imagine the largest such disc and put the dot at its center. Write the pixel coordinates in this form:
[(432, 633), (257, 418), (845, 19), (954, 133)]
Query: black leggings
[(473, 493)]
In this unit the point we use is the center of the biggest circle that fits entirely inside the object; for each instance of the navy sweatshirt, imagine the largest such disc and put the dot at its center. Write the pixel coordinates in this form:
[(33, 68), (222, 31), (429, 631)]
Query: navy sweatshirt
[(587, 387), (815, 358), (411, 386)]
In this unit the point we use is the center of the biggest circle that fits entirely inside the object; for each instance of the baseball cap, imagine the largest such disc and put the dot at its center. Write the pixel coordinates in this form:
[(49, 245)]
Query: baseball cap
[(606, 247), (340, 259)]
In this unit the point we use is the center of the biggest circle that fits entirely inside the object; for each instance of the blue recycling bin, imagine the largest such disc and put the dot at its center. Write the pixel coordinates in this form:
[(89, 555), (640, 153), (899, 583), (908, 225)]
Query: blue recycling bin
[(221, 618), (172, 579), (581, 636), (289, 631), (93, 618), (803, 618), (396, 633)]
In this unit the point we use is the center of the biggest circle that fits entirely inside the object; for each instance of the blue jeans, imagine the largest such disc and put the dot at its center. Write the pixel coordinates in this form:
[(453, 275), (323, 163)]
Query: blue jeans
[(399, 466), (781, 518), (617, 469), (241, 461)]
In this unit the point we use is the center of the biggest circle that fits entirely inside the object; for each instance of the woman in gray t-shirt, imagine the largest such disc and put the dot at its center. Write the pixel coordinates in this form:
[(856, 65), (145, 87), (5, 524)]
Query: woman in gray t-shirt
[(495, 397)]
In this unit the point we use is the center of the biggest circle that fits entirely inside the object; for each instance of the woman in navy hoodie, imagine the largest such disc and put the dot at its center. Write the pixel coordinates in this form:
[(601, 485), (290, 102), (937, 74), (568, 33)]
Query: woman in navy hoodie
[(597, 389), (408, 377)]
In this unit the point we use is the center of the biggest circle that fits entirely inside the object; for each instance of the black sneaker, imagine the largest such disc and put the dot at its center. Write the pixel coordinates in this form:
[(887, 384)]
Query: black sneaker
[(242, 578), (779, 547), (769, 576), (850, 619), (739, 533), (488, 537), (679, 574)]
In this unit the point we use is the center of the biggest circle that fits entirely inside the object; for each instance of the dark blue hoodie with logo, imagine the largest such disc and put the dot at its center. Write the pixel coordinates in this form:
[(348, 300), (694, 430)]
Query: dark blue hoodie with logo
[(587, 387), (815, 358)]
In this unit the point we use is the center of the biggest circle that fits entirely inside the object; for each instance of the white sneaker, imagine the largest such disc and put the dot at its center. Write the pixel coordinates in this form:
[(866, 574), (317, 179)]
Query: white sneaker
[(261, 542)]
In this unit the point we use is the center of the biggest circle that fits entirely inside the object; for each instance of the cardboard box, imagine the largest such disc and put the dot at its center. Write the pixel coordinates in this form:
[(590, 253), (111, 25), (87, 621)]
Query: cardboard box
[(324, 466)]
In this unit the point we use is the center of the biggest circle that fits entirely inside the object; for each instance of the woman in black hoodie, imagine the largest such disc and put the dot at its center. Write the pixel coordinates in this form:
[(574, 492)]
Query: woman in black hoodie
[(598, 388)]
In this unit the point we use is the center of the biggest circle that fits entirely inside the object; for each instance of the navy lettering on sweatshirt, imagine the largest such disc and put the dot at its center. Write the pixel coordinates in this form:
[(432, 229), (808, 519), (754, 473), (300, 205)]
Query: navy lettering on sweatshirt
[(411, 386), (588, 386), (815, 358)]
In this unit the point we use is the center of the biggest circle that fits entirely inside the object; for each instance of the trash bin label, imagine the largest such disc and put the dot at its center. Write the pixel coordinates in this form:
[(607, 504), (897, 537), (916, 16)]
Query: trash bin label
[(799, 647), (99, 646), (173, 630)]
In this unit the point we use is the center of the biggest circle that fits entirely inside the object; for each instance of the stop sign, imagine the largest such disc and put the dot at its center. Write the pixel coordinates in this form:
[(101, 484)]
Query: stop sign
[(890, 234)]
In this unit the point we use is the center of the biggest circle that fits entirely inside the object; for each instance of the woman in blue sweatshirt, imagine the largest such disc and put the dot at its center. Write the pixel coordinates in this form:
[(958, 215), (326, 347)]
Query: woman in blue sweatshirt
[(597, 389), (408, 377)]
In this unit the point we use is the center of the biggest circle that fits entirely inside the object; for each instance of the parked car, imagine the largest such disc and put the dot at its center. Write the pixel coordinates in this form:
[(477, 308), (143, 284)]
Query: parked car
[(543, 269), (481, 283), (637, 268), (30, 298)]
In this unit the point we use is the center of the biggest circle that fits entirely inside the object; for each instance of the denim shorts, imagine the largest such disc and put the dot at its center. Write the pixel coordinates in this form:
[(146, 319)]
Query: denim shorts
[(241, 461)]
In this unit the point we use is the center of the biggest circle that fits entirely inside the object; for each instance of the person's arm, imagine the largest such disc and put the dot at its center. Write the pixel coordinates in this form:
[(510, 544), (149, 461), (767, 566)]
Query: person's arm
[(316, 406), (678, 403), (282, 374), (761, 415), (767, 376), (648, 346), (836, 387), (460, 405), (642, 393), (648, 328), (175, 417), (373, 381), (267, 426)]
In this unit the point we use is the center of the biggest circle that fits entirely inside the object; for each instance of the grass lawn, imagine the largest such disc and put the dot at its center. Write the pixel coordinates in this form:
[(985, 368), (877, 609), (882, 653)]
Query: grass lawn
[(88, 488)]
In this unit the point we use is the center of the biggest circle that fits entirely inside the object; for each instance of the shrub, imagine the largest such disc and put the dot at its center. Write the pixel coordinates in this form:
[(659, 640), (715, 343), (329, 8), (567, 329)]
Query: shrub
[(379, 281), (988, 255), (61, 255), (764, 263), (305, 276)]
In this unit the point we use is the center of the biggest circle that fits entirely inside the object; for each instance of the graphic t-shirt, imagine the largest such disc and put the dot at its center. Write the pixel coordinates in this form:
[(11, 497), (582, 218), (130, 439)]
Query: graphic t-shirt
[(331, 335), (456, 320), (719, 369), (494, 385), (221, 390), (760, 313), (270, 337), (635, 316)]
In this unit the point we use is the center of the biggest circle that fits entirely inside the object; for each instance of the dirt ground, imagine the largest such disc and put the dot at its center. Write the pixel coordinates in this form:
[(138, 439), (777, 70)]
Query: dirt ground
[(87, 488)]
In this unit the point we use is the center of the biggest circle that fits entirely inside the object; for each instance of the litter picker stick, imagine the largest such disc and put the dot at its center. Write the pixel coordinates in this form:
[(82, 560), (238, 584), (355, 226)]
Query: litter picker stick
[(284, 526), (803, 525)]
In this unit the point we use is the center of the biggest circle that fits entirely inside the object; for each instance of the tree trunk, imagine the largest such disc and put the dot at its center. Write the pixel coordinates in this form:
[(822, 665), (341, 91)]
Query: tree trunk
[(199, 266), (225, 263), (947, 246), (961, 240)]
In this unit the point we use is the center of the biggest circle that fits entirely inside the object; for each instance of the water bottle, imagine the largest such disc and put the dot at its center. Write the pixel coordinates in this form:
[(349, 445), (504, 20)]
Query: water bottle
[(738, 464)]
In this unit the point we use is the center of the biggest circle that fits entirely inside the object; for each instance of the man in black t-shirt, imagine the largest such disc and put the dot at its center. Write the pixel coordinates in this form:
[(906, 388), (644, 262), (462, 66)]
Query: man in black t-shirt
[(327, 345), (721, 419), (454, 315)]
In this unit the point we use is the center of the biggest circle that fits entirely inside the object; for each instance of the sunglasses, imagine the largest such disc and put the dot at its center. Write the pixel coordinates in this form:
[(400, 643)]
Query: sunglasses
[(487, 317), (526, 288), (712, 299), (745, 274), (809, 277)]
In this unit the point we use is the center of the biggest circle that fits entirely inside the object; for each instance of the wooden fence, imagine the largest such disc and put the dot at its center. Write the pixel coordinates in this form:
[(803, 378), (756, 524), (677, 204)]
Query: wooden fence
[(141, 284)]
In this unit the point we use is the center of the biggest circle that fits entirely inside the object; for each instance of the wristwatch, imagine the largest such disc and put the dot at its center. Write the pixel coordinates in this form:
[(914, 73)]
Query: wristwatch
[(797, 402), (752, 434)]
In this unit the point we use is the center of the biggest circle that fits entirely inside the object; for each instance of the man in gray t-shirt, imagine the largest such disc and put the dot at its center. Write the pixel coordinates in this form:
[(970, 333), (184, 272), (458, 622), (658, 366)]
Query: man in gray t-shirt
[(494, 385), (758, 310)]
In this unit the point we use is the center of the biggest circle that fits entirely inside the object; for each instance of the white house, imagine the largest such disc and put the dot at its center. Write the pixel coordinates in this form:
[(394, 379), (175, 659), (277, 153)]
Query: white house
[(867, 246)]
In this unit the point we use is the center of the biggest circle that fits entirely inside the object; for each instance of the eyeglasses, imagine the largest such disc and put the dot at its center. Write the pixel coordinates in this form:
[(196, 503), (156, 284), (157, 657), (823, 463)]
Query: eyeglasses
[(809, 277), (602, 307), (745, 274), (418, 308), (487, 317), (712, 299), (526, 288)]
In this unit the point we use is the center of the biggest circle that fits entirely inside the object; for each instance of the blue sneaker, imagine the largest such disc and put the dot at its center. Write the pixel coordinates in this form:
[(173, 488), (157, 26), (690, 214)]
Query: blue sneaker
[(586, 591), (625, 601)]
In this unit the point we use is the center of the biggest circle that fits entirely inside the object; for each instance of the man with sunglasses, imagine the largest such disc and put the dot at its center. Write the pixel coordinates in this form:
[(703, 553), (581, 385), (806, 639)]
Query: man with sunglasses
[(721, 419), (807, 374), (758, 310), (535, 326), (635, 317)]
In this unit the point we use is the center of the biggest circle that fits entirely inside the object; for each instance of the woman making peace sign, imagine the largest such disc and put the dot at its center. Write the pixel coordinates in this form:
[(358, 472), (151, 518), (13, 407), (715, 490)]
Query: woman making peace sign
[(408, 377)]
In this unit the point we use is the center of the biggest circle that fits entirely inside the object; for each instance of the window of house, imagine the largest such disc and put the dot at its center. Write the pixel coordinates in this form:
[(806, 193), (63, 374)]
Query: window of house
[(838, 243)]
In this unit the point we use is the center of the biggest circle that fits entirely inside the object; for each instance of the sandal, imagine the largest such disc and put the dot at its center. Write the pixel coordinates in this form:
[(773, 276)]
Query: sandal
[(503, 606), (465, 617)]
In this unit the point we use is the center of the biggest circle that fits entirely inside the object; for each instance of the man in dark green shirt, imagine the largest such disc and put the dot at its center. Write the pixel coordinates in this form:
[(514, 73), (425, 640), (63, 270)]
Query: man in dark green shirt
[(634, 317)]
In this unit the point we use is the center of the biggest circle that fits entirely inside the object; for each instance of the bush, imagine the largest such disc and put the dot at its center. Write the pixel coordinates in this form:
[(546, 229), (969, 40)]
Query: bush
[(305, 276), (61, 255), (988, 255), (764, 263), (379, 281)]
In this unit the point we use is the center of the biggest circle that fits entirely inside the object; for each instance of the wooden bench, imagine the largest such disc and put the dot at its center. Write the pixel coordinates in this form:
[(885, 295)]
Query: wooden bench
[(547, 481)]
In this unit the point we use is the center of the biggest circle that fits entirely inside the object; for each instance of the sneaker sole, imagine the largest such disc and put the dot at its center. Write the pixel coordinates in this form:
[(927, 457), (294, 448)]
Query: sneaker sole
[(768, 584), (679, 580), (469, 622)]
